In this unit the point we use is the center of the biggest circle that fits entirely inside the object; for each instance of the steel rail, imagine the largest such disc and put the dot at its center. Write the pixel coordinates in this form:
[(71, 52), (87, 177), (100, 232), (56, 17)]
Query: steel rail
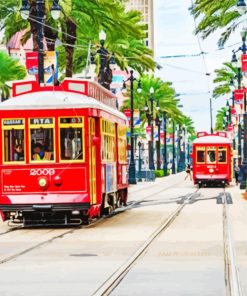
[(95, 222), (232, 281), (113, 280)]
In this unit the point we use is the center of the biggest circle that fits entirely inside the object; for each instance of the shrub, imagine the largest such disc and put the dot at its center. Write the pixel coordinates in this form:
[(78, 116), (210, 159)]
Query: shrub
[(159, 173)]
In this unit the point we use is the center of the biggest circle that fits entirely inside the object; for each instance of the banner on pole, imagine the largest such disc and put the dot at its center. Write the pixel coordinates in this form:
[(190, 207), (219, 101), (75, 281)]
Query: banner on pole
[(244, 69), (50, 58), (148, 132), (137, 120), (238, 96)]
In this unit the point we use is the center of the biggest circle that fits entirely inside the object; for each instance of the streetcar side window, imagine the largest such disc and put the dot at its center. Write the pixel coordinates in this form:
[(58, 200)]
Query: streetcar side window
[(108, 140), (13, 145), (222, 155), (122, 149)]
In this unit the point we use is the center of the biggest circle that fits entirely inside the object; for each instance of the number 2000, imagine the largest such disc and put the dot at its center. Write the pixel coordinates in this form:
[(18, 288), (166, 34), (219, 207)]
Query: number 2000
[(44, 172)]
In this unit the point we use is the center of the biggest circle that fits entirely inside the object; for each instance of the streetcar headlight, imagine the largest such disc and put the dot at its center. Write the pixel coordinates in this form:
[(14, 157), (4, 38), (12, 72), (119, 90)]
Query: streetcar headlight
[(43, 183), (211, 170)]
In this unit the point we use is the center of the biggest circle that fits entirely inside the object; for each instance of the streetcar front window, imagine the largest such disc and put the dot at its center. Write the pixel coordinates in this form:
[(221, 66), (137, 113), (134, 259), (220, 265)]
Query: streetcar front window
[(13, 145), (71, 143), (200, 156), (13, 136), (222, 155), (42, 144), (211, 158)]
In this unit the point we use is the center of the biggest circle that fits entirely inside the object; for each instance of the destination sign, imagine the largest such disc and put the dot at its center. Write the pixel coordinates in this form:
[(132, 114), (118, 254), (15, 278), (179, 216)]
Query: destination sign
[(71, 120), (17, 121), (41, 121)]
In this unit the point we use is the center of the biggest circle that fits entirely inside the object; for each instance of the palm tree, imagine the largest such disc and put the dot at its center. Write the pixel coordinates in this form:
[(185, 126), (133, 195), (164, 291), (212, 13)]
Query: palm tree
[(224, 77), (10, 70), (220, 119), (164, 93), (215, 15)]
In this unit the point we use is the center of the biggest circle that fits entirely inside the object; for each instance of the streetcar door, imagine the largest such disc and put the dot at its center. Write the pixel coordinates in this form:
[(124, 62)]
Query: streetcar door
[(92, 161)]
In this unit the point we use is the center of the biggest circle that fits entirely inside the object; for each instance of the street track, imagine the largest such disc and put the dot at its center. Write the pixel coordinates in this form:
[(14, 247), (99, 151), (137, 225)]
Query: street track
[(71, 230), (232, 281), (113, 281)]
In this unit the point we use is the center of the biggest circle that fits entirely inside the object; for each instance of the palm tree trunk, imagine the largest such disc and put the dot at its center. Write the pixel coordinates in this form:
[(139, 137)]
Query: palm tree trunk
[(71, 39)]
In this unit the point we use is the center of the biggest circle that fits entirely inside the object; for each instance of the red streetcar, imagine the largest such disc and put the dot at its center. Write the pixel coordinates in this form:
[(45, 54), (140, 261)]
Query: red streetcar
[(63, 159), (212, 159)]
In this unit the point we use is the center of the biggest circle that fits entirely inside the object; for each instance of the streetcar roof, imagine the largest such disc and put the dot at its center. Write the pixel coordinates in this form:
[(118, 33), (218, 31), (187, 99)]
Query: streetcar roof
[(56, 100), (212, 140)]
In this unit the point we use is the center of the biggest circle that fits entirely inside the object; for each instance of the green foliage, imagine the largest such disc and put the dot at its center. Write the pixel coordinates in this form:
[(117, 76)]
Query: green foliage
[(215, 15), (223, 78), (220, 119), (79, 25), (10, 70), (159, 173)]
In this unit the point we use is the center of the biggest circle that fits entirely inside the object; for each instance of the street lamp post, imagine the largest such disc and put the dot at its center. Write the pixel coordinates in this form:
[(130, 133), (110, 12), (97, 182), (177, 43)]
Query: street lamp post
[(158, 122), (150, 116), (55, 13), (239, 140), (184, 147), (165, 146), (173, 148), (132, 168), (103, 53), (244, 164), (178, 148), (139, 162), (40, 16), (151, 164)]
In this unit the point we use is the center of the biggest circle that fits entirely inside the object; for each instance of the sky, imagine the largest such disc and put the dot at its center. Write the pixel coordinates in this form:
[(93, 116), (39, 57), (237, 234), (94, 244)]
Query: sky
[(174, 26)]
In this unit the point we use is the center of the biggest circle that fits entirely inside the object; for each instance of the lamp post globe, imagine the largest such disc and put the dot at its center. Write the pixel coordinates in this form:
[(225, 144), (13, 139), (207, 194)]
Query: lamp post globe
[(102, 37), (55, 10), (241, 7), (25, 9)]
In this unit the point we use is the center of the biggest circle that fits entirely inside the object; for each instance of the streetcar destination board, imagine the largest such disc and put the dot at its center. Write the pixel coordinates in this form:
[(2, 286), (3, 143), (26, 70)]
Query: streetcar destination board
[(7, 122), (41, 120)]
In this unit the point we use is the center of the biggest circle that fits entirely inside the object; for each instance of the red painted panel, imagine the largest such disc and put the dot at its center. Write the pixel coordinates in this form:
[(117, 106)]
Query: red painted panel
[(46, 198), (23, 181)]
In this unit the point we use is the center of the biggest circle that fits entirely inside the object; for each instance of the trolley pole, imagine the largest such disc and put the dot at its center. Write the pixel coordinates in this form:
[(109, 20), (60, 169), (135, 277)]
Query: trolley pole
[(211, 117)]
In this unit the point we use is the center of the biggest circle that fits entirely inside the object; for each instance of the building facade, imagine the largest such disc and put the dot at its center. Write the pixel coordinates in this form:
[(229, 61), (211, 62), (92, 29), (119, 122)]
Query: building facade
[(147, 9)]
